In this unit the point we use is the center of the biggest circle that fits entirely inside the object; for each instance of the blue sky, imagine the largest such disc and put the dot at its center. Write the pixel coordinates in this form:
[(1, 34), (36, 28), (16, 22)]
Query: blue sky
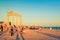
[(35, 12)]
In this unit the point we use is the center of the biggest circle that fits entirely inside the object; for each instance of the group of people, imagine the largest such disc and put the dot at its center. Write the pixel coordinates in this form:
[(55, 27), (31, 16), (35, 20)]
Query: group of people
[(14, 29)]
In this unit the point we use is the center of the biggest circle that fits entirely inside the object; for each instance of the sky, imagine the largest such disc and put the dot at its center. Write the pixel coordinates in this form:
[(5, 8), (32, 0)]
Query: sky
[(34, 12)]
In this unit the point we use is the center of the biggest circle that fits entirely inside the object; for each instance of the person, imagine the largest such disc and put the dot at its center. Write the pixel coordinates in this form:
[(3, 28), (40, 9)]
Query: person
[(12, 32), (22, 30), (15, 28), (1, 28)]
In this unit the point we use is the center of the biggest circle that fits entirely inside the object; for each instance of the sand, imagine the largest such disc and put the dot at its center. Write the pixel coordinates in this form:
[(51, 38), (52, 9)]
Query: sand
[(38, 35), (44, 34)]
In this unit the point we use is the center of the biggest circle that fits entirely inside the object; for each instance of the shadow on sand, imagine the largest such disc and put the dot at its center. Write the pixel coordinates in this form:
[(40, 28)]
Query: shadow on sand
[(22, 36), (17, 37), (51, 35)]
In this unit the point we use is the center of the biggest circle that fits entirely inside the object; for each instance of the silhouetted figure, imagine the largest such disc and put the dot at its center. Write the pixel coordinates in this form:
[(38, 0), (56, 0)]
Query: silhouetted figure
[(12, 32), (14, 26), (1, 28)]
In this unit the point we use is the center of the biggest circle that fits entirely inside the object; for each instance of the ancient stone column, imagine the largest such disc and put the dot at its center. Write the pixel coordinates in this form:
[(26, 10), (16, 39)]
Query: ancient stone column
[(17, 21), (12, 20)]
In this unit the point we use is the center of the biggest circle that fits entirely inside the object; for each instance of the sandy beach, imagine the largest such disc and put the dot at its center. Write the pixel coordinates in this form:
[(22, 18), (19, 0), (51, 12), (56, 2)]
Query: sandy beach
[(44, 34)]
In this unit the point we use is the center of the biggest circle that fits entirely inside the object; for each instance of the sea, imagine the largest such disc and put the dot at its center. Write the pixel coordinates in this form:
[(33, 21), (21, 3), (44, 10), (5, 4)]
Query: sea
[(54, 27)]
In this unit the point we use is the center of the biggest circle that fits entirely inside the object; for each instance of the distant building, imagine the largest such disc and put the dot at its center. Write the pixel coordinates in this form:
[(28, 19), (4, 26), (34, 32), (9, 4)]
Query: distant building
[(35, 27)]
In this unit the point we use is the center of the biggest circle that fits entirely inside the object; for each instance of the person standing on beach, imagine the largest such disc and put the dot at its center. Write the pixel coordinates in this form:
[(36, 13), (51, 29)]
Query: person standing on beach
[(22, 30), (12, 32), (1, 28)]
